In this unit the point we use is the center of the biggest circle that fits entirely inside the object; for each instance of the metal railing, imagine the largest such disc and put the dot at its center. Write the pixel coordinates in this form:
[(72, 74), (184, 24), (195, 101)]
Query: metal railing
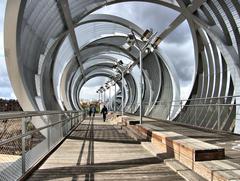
[(27, 137), (218, 113)]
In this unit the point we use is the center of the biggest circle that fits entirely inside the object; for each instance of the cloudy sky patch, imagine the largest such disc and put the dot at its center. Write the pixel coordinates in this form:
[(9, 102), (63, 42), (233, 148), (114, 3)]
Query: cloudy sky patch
[(142, 14), (90, 88), (5, 85)]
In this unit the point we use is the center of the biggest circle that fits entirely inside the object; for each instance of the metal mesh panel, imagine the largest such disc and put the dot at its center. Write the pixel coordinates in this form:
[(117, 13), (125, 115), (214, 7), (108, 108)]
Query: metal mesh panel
[(22, 144), (11, 161), (8, 129), (217, 113)]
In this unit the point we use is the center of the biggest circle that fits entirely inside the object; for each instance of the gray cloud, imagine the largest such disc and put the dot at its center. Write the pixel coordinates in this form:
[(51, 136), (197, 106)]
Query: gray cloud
[(180, 35), (182, 58), (149, 15), (145, 15), (91, 87), (7, 93), (5, 85), (2, 7), (4, 81), (89, 92)]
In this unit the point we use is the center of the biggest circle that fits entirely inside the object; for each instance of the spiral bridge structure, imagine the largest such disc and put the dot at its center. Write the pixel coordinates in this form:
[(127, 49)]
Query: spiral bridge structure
[(54, 47)]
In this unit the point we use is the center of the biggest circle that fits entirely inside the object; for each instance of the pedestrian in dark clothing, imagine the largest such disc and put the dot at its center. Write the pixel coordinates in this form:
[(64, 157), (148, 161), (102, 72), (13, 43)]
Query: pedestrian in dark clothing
[(104, 112), (92, 111)]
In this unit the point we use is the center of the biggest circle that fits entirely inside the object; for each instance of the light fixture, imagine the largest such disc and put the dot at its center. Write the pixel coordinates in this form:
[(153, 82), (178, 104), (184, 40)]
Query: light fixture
[(115, 69), (156, 42), (120, 62), (107, 86), (127, 72), (101, 88), (127, 47), (146, 35), (130, 39), (129, 43), (148, 49)]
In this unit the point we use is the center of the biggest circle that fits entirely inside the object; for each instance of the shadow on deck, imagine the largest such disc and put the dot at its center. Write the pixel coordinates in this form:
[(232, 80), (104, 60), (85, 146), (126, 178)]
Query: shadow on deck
[(97, 150)]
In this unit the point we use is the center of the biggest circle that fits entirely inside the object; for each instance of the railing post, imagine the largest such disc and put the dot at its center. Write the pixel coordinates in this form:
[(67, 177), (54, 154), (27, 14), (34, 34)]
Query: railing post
[(219, 112), (72, 119), (169, 113), (23, 146), (48, 134), (181, 107), (64, 126), (195, 114), (77, 118)]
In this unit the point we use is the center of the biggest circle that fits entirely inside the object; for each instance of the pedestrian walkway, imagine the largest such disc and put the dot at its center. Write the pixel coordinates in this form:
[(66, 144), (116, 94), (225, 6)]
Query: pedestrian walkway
[(99, 151)]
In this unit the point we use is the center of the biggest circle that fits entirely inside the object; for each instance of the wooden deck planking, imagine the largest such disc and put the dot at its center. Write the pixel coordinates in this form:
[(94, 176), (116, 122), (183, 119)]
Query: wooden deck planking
[(101, 151), (230, 142)]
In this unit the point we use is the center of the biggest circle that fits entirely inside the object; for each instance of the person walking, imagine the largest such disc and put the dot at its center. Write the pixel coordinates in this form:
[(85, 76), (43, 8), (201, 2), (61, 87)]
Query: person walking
[(104, 112), (92, 111)]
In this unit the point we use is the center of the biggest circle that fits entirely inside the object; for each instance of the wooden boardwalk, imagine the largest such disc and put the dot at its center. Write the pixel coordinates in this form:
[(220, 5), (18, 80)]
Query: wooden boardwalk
[(100, 151)]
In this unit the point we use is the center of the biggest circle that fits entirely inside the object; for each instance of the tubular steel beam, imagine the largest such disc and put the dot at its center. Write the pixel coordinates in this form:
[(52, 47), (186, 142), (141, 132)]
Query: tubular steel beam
[(69, 23)]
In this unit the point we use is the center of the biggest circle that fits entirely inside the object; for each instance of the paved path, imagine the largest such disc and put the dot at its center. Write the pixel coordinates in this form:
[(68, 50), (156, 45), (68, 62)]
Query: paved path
[(100, 151)]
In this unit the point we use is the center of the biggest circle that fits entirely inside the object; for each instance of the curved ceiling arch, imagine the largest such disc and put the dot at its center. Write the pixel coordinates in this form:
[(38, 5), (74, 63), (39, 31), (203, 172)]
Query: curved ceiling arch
[(33, 37)]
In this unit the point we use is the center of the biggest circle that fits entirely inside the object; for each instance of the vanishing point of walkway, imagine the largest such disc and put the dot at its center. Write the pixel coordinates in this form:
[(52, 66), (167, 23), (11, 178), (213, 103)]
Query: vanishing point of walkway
[(100, 151)]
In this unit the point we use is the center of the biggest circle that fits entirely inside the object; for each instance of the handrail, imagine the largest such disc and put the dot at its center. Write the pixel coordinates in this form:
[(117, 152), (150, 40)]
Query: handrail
[(203, 105), (15, 115), (193, 105), (36, 130), (195, 99)]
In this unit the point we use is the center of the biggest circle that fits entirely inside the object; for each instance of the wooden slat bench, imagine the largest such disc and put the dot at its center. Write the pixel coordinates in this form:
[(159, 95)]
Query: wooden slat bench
[(186, 150), (218, 170), (205, 159)]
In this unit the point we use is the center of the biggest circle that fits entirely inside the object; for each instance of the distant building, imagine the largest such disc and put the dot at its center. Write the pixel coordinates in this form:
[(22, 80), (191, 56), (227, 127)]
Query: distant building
[(9, 105)]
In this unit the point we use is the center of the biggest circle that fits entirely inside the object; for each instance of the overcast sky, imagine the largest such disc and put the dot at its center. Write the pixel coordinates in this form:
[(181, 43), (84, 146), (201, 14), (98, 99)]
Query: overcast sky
[(5, 86), (177, 46)]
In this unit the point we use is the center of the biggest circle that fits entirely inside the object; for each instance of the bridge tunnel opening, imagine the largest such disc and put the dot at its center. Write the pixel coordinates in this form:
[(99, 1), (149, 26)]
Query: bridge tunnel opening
[(58, 49), (100, 91)]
